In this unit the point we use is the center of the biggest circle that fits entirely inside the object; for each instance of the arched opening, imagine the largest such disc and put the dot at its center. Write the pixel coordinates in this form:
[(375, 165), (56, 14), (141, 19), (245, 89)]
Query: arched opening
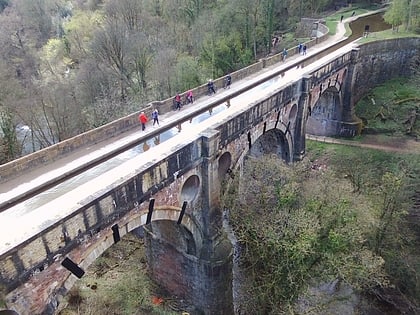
[(190, 189), (225, 162), (293, 113), (121, 269), (325, 114), (175, 234), (271, 142)]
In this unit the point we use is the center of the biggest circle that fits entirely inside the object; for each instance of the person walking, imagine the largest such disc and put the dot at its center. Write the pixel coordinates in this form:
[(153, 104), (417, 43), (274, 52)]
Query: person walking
[(143, 120), (177, 101), (304, 49), (210, 87), (189, 99), (228, 81), (155, 116), (284, 54), (300, 48)]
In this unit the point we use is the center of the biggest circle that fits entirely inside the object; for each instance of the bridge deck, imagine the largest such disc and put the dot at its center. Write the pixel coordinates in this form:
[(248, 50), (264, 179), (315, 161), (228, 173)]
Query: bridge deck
[(26, 219)]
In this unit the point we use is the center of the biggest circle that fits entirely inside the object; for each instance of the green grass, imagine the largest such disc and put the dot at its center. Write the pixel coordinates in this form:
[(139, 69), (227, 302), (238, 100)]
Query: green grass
[(118, 284), (332, 20), (387, 34), (386, 108)]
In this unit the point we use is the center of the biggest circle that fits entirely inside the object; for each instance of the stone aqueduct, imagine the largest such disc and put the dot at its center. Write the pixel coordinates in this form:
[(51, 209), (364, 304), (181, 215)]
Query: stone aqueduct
[(176, 197)]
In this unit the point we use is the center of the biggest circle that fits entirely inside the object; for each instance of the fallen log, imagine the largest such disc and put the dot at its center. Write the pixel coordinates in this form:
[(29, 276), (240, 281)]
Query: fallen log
[(381, 114)]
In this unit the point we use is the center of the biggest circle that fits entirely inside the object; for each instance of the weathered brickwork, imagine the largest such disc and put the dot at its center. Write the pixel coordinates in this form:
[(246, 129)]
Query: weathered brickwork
[(89, 219)]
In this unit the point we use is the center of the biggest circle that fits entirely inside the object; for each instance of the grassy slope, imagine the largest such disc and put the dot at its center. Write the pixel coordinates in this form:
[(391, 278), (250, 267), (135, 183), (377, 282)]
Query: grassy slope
[(387, 108)]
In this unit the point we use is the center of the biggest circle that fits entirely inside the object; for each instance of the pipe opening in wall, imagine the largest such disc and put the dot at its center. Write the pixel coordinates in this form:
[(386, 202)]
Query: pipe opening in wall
[(224, 165), (190, 188)]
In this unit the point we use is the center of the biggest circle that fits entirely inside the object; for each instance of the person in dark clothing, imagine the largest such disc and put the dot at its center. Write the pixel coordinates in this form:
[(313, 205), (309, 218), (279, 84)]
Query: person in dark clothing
[(304, 49), (228, 81), (210, 87), (155, 116)]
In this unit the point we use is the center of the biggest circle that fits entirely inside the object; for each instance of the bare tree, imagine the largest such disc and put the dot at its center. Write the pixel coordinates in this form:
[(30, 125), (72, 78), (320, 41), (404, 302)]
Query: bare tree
[(110, 46), (127, 11), (142, 61), (37, 17)]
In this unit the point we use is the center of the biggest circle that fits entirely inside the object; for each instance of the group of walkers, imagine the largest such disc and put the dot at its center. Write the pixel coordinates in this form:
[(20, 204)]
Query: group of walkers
[(301, 48), (177, 101), (143, 119), (211, 89), (189, 99)]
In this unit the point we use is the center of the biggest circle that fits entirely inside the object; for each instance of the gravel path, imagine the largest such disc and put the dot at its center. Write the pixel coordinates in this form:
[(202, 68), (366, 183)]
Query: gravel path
[(377, 142)]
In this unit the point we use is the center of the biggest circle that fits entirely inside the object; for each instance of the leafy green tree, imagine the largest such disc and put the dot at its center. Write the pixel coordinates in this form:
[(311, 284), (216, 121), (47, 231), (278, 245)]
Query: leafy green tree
[(413, 21), (186, 73), (79, 32), (38, 17), (392, 194), (269, 22), (295, 229), (316, 6), (395, 15), (191, 10), (404, 12), (225, 54)]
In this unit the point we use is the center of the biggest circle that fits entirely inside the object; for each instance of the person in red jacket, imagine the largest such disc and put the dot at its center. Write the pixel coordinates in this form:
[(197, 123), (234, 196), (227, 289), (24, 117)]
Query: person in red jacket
[(143, 120), (177, 101)]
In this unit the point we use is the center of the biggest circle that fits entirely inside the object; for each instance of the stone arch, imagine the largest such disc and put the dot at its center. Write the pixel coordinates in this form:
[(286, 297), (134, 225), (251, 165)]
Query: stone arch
[(272, 141), (325, 113), (281, 129), (127, 225), (161, 213), (168, 213), (177, 235)]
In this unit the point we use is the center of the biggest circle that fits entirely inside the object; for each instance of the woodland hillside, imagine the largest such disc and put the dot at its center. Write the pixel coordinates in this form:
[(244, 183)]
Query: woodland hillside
[(68, 66)]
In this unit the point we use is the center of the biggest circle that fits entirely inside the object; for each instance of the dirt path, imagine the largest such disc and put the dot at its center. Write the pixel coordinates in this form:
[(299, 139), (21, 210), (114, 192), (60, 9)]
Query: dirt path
[(376, 142)]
